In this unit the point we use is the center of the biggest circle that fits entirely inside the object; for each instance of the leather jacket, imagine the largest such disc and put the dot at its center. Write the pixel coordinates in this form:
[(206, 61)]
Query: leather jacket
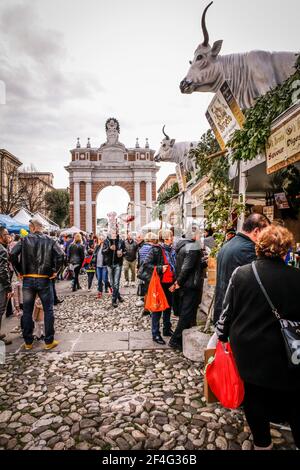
[(37, 255), (110, 256), (5, 283), (190, 264), (131, 250), (76, 254)]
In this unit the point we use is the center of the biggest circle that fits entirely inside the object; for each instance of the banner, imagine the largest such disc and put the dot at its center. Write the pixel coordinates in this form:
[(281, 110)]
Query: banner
[(181, 178), (283, 147), (224, 115)]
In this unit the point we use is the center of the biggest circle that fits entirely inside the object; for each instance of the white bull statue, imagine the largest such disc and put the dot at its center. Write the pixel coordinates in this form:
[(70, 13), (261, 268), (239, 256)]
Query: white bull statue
[(249, 74), (177, 152)]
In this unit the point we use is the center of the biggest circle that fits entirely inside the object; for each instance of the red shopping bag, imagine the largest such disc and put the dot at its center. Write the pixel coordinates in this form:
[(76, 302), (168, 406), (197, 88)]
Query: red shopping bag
[(156, 300), (223, 377)]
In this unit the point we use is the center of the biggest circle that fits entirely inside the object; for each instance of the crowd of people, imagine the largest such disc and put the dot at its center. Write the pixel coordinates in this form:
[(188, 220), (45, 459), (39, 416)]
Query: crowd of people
[(242, 314), (31, 266)]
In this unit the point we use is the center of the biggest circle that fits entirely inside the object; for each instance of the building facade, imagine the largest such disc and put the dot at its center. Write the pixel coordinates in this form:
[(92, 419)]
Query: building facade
[(93, 169), (35, 185), (9, 165), (167, 183)]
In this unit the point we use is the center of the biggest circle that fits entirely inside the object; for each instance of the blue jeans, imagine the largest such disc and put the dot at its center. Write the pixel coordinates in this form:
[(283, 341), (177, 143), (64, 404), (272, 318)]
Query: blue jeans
[(102, 276), (156, 320), (44, 289), (114, 273)]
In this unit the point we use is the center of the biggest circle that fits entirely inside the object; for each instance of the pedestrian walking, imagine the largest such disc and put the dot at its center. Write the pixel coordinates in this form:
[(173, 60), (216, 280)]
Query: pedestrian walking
[(168, 278), (188, 287), (10, 244), (239, 251), (38, 259), (76, 258), (131, 248), (140, 291), (5, 279), (165, 267), (271, 387), (89, 267), (114, 250), (101, 269), (150, 240)]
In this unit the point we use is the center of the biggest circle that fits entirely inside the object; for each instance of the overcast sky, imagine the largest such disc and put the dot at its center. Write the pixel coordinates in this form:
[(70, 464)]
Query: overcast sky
[(68, 65)]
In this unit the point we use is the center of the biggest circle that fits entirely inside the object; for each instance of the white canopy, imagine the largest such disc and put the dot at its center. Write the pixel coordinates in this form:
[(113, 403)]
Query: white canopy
[(71, 231), (47, 224), (22, 216), (155, 225)]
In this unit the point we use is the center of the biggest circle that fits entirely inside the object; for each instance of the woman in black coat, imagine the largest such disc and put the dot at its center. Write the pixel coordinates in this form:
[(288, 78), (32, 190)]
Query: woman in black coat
[(160, 256), (76, 258), (272, 390)]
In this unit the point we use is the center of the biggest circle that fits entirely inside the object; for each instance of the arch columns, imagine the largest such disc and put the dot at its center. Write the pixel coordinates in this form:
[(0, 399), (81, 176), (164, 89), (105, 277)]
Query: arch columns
[(77, 204), (149, 201), (137, 204), (89, 208)]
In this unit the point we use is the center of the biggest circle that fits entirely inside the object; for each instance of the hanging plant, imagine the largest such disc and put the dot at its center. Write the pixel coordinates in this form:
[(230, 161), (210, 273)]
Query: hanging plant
[(164, 197), (250, 141), (218, 203)]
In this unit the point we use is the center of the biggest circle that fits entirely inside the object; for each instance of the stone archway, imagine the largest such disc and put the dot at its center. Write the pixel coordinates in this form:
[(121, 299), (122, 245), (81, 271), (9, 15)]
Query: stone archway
[(93, 169)]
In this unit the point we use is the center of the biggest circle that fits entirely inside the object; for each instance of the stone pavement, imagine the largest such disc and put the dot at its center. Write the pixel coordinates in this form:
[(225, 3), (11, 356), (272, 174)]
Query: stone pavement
[(108, 341), (129, 396)]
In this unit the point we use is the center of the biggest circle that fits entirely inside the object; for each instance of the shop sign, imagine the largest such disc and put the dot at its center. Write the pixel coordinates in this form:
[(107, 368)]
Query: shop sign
[(268, 211), (281, 201), (181, 178), (283, 147), (224, 115)]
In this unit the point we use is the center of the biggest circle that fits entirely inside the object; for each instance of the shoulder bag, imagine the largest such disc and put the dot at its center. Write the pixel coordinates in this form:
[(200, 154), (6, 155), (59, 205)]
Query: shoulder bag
[(290, 330)]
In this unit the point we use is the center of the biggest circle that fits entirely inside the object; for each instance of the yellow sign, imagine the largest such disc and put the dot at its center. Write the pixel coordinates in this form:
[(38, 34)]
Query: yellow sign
[(224, 115), (181, 178), (283, 147)]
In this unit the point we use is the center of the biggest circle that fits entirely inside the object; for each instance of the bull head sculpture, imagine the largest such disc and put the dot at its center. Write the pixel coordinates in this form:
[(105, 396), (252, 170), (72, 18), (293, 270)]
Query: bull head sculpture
[(164, 152), (205, 73)]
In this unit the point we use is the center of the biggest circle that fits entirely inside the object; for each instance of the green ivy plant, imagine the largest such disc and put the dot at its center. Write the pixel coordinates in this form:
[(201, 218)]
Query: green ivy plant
[(250, 141), (218, 203), (164, 197)]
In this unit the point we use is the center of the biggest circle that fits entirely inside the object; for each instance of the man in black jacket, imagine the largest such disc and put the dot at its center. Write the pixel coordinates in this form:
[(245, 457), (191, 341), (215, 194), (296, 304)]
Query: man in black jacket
[(5, 284), (239, 251), (190, 269), (37, 258), (131, 248), (113, 253)]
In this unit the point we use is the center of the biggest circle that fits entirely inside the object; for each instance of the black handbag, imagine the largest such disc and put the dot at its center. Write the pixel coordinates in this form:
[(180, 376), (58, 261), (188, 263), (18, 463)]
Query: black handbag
[(290, 330), (141, 289)]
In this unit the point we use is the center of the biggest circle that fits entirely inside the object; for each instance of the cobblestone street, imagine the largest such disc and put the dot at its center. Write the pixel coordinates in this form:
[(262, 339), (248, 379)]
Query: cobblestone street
[(128, 399)]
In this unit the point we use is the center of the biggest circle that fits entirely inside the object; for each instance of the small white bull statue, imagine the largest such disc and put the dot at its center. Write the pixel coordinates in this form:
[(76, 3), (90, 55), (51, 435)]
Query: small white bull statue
[(178, 153)]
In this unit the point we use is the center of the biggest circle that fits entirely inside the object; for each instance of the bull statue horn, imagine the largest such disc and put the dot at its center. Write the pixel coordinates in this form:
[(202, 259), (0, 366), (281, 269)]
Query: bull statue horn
[(204, 29), (167, 137)]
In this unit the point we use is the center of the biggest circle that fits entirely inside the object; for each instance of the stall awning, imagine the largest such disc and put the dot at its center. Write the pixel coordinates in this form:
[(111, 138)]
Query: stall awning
[(12, 225)]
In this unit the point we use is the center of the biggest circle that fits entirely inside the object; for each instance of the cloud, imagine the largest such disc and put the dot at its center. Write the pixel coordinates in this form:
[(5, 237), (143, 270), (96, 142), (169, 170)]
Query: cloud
[(45, 93)]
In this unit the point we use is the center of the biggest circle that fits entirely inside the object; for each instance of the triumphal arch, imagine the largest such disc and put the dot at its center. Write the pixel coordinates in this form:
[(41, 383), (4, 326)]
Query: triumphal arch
[(92, 169)]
